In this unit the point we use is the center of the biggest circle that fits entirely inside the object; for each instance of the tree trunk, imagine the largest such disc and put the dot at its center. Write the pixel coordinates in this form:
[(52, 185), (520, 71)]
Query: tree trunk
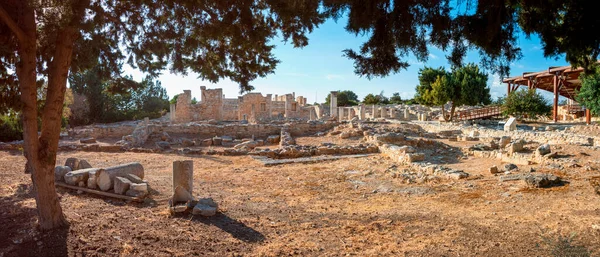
[(42, 167), (444, 114), (452, 108)]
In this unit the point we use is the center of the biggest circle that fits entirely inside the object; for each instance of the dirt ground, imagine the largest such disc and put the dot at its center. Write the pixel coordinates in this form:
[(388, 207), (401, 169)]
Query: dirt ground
[(333, 208)]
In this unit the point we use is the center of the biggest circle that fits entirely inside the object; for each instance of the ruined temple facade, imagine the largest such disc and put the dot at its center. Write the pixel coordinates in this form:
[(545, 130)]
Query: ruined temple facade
[(252, 107)]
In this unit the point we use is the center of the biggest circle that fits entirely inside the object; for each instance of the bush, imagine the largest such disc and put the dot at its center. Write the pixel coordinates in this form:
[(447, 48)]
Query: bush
[(11, 128), (526, 104)]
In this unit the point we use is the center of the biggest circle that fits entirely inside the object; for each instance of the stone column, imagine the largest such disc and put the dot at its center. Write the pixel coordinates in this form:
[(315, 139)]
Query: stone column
[(287, 108), (392, 113), (374, 112), (333, 108), (351, 113), (172, 111), (361, 109), (340, 114), (383, 112), (183, 176), (406, 114)]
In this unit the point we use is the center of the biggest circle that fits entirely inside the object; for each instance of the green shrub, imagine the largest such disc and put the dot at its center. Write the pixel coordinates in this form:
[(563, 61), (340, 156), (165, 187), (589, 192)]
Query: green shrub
[(526, 104), (10, 128)]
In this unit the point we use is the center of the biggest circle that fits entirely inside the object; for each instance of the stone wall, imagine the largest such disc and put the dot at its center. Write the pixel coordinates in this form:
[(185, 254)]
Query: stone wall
[(551, 137), (252, 107)]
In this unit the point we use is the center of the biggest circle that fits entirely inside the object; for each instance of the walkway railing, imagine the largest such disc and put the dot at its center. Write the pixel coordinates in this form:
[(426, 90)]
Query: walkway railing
[(479, 113)]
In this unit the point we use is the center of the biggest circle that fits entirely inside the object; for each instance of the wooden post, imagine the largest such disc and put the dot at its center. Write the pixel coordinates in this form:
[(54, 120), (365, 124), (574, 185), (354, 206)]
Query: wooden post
[(555, 104), (508, 88), (588, 116), (529, 83)]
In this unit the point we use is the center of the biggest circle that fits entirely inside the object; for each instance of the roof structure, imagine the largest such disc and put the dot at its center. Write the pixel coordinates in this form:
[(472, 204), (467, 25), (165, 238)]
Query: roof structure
[(567, 79), (562, 81)]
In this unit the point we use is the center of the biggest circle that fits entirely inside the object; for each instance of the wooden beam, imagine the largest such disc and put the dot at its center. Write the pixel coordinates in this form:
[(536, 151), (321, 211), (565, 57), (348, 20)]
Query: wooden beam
[(98, 192), (588, 116), (555, 104)]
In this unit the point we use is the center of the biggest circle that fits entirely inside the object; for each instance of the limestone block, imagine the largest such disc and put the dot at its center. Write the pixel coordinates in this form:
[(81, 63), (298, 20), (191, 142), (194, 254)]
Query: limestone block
[(83, 164), (248, 144), (273, 139), (542, 150), (89, 140), (494, 169), (137, 190), (216, 141), (504, 141), (515, 147), (205, 207), (163, 145), (183, 176), (415, 157), (60, 171), (511, 124), (187, 143), (121, 185)]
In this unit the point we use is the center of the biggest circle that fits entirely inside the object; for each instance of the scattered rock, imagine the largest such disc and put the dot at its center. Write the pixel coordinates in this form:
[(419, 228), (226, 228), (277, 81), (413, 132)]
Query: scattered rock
[(504, 141), (510, 167), (542, 150), (542, 180), (205, 207), (83, 164), (137, 190), (163, 145), (165, 136), (187, 143), (121, 185), (89, 140), (60, 171), (494, 169), (248, 144)]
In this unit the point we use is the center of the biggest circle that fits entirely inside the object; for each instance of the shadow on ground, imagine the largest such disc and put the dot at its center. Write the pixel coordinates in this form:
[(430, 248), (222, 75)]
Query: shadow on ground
[(234, 227), (20, 235)]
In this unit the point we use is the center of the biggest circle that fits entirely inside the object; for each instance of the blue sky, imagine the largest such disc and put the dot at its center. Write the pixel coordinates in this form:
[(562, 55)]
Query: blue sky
[(320, 68)]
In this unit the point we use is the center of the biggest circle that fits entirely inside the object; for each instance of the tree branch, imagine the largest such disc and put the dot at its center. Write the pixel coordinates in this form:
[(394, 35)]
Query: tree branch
[(12, 25)]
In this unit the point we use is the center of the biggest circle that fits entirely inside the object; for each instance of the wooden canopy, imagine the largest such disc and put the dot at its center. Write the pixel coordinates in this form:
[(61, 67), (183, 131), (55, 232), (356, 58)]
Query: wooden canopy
[(562, 81), (566, 78)]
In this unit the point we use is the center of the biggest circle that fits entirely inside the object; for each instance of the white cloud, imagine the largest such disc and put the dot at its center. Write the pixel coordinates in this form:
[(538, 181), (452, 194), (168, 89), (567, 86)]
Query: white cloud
[(433, 56), (495, 80), (334, 76)]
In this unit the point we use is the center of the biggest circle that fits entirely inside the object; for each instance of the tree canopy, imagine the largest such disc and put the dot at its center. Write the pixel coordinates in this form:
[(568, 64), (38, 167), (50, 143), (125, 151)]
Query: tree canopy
[(376, 99), (463, 86), (589, 93), (344, 98)]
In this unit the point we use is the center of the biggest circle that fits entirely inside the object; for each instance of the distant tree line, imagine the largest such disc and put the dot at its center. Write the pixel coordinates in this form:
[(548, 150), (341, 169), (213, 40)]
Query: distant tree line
[(97, 101)]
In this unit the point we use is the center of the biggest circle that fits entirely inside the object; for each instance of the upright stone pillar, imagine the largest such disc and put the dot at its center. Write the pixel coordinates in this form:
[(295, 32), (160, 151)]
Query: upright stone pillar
[(351, 113), (383, 112), (406, 114), (172, 111), (333, 108), (374, 112), (340, 114), (287, 108), (183, 177), (361, 115), (392, 113)]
